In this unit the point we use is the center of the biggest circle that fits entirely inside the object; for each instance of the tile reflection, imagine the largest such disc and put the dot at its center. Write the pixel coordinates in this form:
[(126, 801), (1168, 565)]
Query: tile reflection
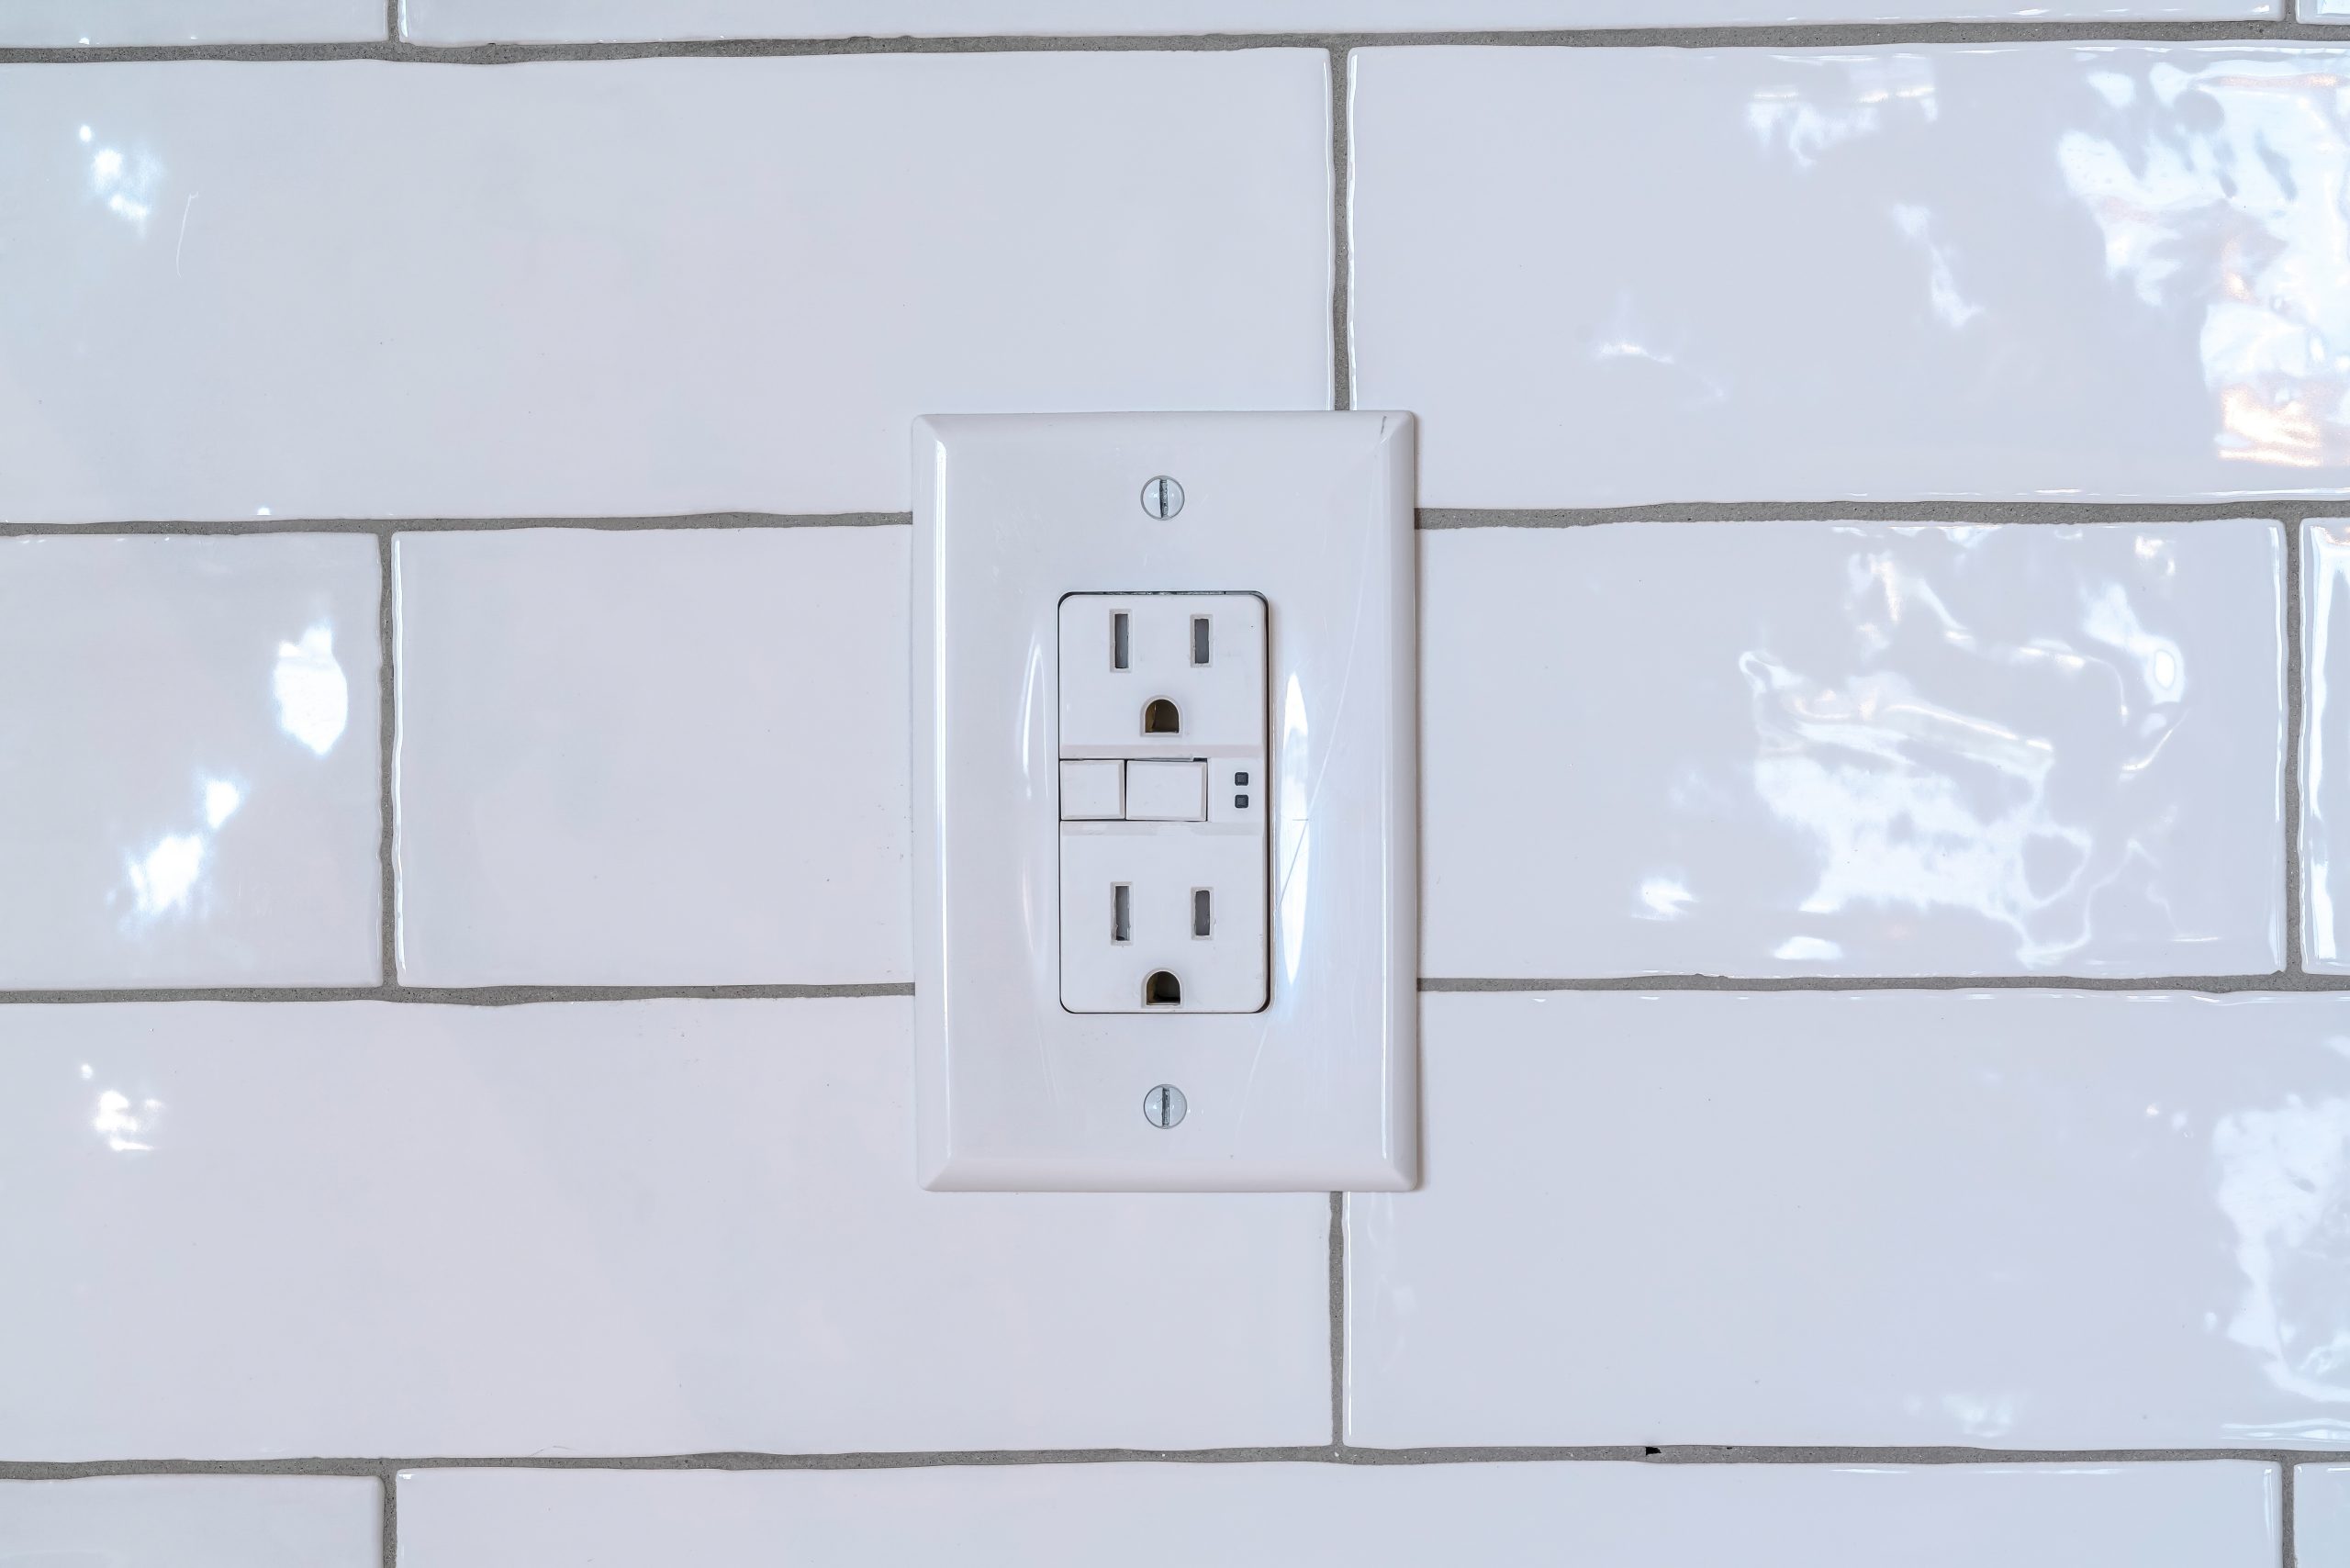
[(187, 750), (2217, 184), (2110, 270), (313, 697), (1761, 748), (127, 183), (125, 1125), (2284, 1185)]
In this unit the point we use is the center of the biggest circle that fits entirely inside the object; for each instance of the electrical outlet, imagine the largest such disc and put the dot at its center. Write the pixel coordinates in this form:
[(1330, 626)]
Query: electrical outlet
[(1163, 904), (1165, 830)]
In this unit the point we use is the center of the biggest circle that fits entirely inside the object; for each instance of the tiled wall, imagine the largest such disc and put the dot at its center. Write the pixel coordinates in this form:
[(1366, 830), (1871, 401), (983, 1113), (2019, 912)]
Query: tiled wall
[(1885, 611)]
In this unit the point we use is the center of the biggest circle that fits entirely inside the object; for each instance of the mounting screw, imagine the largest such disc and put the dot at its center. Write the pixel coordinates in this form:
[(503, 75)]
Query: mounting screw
[(1164, 1106), (1162, 498)]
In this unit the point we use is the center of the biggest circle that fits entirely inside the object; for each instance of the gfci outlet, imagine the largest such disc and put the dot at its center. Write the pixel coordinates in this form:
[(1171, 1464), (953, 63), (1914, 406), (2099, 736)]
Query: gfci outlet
[(1165, 817), (1162, 776)]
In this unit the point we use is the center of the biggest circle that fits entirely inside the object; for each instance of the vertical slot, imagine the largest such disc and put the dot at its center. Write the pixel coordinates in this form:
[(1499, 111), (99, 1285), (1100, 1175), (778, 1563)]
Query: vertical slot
[(1201, 899), (1121, 648), (1121, 913), (1199, 639)]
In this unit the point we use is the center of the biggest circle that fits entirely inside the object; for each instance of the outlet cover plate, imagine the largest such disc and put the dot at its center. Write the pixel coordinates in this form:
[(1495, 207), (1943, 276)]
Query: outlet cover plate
[(1320, 1090)]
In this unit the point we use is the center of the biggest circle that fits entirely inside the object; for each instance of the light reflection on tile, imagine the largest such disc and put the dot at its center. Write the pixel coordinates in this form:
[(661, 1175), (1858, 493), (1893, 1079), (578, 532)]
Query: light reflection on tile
[(2325, 745), (2037, 270), (786, 261), (1771, 748), (273, 1229), (187, 761), (2027, 1219)]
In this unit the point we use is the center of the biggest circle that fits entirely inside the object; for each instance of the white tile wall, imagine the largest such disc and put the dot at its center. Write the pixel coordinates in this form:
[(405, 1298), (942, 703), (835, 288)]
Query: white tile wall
[(1976, 742), (1760, 748), (188, 761), (192, 1521), (2005, 1219), (632, 287), (366, 1228), (2034, 271), (54, 24), (2211, 1515), (670, 757), (478, 21), (2322, 1513)]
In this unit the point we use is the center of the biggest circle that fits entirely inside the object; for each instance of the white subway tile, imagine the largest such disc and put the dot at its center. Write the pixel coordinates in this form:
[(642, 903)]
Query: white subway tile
[(653, 756), (192, 1521), (2093, 270), (1787, 749), (188, 776), (2027, 1219), (59, 24), (2209, 1515), (632, 286), (2322, 1514), (289, 1229), (2325, 745), (482, 21)]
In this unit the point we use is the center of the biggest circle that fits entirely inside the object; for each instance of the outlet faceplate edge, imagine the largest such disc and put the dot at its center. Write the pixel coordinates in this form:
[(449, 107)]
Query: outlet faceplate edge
[(1317, 1093)]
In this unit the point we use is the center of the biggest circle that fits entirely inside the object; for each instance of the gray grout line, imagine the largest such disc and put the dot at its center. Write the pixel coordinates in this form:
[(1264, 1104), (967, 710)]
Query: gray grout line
[(2286, 1555), (465, 996), (387, 1531), (2295, 664), (1332, 1453), (2278, 981), (1817, 35), (2292, 509), (387, 741), (530, 996), (389, 526), (1342, 262), (1337, 1319), (2280, 508)]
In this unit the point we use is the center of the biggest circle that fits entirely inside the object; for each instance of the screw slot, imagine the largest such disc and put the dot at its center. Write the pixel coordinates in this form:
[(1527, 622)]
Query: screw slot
[(1162, 497), (1164, 1106)]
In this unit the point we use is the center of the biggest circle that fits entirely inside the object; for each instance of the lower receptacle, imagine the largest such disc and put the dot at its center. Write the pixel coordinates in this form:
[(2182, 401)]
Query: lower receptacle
[(1162, 917)]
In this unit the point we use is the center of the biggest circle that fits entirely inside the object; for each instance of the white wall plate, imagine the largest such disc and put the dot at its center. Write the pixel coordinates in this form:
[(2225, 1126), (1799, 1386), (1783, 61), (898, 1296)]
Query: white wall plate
[(1291, 1063)]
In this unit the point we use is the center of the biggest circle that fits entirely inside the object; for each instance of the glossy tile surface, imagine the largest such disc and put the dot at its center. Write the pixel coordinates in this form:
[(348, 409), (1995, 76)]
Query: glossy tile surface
[(2322, 1513), (635, 286), (2211, 1515), (54, 24), (1766, 748), (192, 1521), (480, 21), (652, 757), (595, 1228), (2026, 1219), (188, 761), (2325, 745), (1606, 277)]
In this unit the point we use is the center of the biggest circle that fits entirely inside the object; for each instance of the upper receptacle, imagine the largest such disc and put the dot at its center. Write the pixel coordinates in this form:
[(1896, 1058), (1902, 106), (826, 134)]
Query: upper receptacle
[(1162, 675)]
